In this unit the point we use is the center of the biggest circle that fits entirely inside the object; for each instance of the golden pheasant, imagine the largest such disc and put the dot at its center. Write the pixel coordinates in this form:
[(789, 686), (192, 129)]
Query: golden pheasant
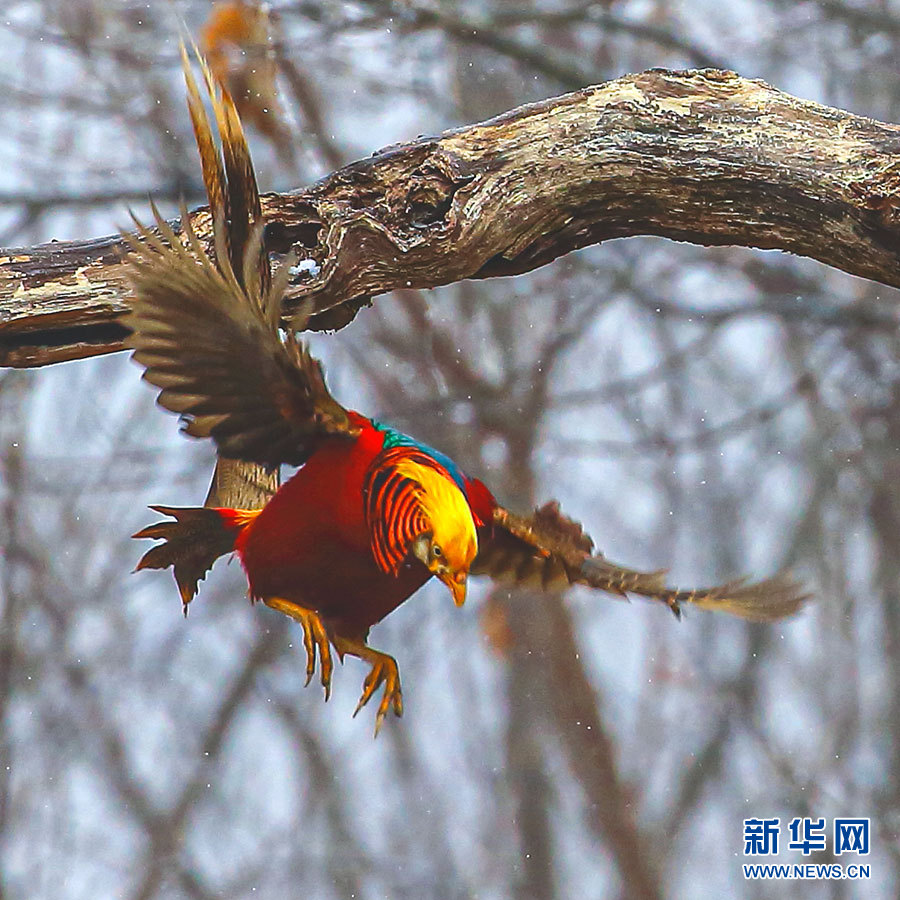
[(371, 514)]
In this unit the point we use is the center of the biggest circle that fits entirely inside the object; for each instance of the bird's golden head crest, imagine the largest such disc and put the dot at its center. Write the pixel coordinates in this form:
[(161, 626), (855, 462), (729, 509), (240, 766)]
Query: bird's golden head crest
[(450, 543)]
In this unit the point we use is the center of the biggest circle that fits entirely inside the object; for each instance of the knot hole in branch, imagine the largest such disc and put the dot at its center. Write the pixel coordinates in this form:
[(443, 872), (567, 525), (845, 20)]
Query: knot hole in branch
[(430, 195), (302, 236)]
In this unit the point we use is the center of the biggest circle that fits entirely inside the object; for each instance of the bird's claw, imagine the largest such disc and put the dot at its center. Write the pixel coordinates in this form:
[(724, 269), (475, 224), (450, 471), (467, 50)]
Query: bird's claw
[(384, 671), (315, 640), (309, 645)]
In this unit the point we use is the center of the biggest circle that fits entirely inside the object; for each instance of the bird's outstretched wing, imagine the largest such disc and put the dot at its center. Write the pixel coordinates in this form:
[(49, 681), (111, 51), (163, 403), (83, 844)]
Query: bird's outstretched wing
[(548, 549), (208, 331)]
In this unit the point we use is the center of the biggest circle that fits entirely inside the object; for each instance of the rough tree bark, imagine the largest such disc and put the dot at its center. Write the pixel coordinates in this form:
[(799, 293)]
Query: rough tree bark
[(703, 156)]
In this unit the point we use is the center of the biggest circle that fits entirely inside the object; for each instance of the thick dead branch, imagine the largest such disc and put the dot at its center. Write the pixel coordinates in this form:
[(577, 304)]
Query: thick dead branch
[(701, 156)]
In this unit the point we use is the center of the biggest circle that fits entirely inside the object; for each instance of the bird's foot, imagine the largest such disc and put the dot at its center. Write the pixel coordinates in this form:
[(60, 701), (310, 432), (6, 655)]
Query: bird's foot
[(384, 672), (315, 638)]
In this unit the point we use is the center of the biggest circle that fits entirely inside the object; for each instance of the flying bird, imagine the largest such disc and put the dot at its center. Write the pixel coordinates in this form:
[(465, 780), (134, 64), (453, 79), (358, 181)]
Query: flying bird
[(371, 513)]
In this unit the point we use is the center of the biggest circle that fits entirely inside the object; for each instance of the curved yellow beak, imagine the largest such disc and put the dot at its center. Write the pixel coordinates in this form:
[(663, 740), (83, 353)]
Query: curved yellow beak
[(457, 584)]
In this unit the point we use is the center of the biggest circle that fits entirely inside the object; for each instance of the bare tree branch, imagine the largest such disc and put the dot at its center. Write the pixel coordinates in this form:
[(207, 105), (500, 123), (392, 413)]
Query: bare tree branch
[(701, 156)]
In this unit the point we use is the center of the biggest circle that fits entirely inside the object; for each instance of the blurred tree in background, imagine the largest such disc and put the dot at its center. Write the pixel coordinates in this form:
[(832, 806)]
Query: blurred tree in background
[(720, 411)]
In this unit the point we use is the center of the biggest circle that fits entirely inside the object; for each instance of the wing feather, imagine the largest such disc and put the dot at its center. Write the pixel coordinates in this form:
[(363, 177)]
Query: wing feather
[(207, 330), (551, 549)]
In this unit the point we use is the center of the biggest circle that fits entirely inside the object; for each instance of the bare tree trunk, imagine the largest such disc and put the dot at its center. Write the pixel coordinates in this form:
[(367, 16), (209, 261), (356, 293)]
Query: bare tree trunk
[(702, 156), (533, 876), (548, 684), (14, 390), (590, 750)]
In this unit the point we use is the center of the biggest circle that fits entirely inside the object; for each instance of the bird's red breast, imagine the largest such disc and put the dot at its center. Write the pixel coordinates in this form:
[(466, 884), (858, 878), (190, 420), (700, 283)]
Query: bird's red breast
[(310, 544)]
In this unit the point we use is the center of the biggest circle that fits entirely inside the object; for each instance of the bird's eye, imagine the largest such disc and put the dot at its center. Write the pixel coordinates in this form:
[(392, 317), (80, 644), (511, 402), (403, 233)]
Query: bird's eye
[(436, 551)]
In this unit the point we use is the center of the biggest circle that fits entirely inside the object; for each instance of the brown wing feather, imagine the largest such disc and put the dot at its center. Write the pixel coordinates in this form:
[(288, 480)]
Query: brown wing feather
[(549, 549), (243, 193), (219, 362), (232, 189), (208, 332), (210, 158)]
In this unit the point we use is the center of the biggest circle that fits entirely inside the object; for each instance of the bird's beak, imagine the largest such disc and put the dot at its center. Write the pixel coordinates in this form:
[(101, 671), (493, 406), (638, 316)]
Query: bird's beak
[(457, 584)]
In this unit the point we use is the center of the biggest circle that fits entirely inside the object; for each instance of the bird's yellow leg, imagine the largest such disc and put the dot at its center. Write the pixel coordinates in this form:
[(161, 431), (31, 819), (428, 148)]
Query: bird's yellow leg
[(314, 636), (384, 671)]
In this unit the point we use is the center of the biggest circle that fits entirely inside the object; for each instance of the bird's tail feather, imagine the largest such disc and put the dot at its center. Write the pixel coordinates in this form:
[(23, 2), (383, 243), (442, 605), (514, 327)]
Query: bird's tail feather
[(191, 543)]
